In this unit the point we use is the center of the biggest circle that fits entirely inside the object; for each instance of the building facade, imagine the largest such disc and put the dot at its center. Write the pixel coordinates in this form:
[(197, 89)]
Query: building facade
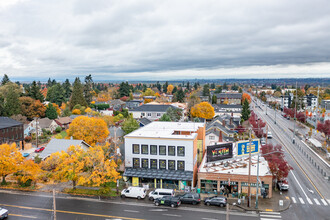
[(164, 154), (150, 111), (11, 131), (229, 98)]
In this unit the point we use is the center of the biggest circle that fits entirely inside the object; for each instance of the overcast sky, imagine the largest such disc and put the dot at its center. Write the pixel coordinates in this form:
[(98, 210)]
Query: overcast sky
[(148, 40)]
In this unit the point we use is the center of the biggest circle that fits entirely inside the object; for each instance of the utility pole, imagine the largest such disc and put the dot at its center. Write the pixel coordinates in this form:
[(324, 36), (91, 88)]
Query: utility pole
[(257, 182), (54, 204), (37, 131), (249, 180), (227, 211), (295, 112), (275, 107)]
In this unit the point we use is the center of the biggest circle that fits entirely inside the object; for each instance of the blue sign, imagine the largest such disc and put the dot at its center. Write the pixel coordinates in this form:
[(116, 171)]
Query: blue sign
[(243, 147)]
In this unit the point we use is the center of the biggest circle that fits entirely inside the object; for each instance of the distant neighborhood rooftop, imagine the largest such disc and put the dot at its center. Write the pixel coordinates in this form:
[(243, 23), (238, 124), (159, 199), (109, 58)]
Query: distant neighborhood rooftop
[(152, 108), (229, 95)]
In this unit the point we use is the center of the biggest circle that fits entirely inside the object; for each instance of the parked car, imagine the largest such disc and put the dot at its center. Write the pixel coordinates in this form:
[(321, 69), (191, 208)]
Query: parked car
[(134, 192), (263, 142), (216, 200), (168, 201), (3, 213), (26, 154), (159, 193), (269, 134), (190, 198), (283, 185), (39, 149)]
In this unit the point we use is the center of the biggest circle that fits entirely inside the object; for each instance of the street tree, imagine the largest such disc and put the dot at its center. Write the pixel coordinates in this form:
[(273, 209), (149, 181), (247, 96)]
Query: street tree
[(10, 159), (246, 110), (28, 172), (203, 110)]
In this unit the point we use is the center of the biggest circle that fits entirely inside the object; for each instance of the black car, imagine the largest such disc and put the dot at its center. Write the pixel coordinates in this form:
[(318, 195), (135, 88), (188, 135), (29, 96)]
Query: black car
[(168, 200), (190, 198), (216, 200)]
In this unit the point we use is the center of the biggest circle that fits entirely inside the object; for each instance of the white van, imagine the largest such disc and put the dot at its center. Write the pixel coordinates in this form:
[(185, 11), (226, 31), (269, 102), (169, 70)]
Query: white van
[(159, 193), (134, 192), (269, 135)]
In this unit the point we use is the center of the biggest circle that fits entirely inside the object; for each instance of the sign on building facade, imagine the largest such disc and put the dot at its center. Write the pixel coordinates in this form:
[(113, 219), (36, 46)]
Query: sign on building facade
[(219, 152), (243, 147)]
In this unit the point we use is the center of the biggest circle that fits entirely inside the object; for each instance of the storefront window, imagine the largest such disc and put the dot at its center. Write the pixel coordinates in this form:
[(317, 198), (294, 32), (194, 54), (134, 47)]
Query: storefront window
[(209, 186), (144, 149), (136, 162), (162, 164), (162, 150), (181, 151), (145, 163), (171, 150), (136, 149), (180, 165), (153, 164), (171, 164), (153, 149)]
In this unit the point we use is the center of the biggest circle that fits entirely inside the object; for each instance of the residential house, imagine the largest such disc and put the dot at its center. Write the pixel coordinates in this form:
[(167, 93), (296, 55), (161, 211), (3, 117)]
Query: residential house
[(221, 109), (286, 101), (43, 123), (150, 111), (164, 154), (229, 98), (58, 145), (117, 104), (310, 101), (325, 104), (133, 104), (63, 122), (11, 131)]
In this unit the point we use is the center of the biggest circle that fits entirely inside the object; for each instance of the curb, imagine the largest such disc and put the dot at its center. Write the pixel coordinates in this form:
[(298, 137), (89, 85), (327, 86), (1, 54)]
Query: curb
[(262, 210)]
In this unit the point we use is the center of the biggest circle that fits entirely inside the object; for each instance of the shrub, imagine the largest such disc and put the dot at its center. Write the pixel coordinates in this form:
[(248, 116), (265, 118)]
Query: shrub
[(76, 112), (58, 129), (28, 139)]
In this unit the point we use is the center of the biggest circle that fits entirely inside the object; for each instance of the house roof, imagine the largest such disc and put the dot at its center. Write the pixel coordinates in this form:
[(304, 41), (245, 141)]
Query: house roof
[(144, 121), (64, 120), (138, 101), (58, 145), (44, 122), (6, 122), (116, 102), (229, 95), (152, 108), (221, 106)]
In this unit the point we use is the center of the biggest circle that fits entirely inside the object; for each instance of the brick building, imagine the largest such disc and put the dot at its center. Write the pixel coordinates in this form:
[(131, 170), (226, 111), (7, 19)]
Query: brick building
[(11, 131)]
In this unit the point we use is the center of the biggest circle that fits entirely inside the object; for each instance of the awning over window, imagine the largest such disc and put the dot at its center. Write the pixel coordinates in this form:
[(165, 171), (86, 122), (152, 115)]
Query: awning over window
[(159, 174)]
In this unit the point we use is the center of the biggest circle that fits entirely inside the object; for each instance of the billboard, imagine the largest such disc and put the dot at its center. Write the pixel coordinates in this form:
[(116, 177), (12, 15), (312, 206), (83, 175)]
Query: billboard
[(219, 152), (243, 147)]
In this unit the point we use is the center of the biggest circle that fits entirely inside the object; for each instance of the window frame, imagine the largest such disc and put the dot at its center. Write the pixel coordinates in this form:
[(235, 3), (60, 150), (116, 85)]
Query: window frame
[(162, 146), (143, 145), (160, 161), (184, 152), (178, 162), (168, 150), (143, 160), (168, 164), (138, 147), (136, 159), (155, 163), (156, 149)]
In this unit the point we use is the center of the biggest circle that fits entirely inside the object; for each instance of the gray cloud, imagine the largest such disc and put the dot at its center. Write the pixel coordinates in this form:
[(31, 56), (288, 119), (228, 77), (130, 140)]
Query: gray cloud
[(161, 39)]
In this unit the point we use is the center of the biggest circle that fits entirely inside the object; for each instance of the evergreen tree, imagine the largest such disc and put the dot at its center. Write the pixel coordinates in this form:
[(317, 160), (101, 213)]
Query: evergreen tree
[(188, 86), (159, 87), (214, 99), (195, 86), (219, 89), (240, 90), (225, 87), (77, 96), (88, 88), (35, 93), (12, 105), (2, 105), (67, 89), (206, 90), (165, 117), (49, 83), (54, 82), (175, 89), (212, 86), (165, 87), (124, 89), (55, 94), (5, 79), (179, 95), (51, 112), (246, 110)]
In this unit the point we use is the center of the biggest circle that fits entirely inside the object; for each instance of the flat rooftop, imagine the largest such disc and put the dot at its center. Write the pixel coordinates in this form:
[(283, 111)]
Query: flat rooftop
[(239, 166), (172, 130)]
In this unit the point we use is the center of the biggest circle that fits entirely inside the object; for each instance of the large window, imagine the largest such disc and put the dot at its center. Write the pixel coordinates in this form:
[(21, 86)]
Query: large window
[(181, 151), (162, 164), (180, 165), (145, 163), (212, 137), (136, 162), (162, 150), (209, 186), (136, 149), (144, 149), (153, 149), (149, 114), (171, 164), (171, 150), (153, 164), (143, 114)]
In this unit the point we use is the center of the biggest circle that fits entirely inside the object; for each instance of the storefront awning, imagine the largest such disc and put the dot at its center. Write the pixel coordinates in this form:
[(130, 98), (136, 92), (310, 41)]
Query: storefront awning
[(159, 174)]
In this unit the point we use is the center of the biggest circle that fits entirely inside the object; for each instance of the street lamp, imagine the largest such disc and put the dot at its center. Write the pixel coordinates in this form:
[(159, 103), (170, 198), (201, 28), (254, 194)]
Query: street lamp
[(275, 113)]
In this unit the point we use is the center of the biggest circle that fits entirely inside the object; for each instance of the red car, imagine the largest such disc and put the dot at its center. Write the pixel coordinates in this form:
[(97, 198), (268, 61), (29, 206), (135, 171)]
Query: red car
[(39, 149)]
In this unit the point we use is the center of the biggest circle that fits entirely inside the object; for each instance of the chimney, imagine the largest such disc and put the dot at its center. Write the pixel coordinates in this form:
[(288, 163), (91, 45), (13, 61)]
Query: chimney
[(220, 136), (224, 122), (231, 119)]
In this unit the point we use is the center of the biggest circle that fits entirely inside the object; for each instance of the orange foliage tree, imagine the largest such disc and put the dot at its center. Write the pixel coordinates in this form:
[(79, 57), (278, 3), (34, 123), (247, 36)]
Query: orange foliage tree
[(147, 101), (10, 159), (246, 96), (203, 110), (91, 130), (170, 88), (32, 108)]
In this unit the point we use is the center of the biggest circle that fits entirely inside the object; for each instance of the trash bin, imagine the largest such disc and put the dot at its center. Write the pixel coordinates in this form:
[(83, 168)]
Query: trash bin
[(198, 190)]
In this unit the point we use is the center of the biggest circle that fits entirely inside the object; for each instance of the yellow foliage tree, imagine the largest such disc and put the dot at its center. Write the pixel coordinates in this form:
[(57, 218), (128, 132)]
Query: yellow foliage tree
[(203, 110), (10, 159), (149, 92), (91, 130), (170, 88), (28, 170), (109, 120), (58, 110), (88, 111), (76, 112), (51, 162)]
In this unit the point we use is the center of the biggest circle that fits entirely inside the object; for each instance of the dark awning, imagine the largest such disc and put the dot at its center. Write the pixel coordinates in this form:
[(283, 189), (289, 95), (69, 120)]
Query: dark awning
[(159, 174)]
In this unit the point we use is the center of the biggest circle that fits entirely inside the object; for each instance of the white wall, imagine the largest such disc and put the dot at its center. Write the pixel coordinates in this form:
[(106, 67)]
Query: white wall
[(188, 158)]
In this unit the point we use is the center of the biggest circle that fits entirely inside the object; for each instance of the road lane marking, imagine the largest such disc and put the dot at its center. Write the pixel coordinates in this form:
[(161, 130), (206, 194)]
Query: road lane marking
[(268, 219), (317, 202), (272, 213), (209, 218), (324, 202), (131, 211), (25, 216), (301, 200), (293, 199), (299, 184), (68, 212), (271, 216), (172, 215), (309, 201)]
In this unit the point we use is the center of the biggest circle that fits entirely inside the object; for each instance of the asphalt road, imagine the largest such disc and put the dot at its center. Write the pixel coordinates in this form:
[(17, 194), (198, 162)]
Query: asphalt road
[(40, 206), (309, 190)]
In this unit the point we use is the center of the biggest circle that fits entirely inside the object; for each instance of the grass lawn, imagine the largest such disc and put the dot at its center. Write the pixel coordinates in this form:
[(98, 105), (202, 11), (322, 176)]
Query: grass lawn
[(91, 192), (63, 134)]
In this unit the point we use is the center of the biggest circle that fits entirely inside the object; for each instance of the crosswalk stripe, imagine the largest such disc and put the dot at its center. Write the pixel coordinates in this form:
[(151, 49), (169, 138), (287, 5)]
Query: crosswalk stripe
[(324, 202), (328, 200), (271, 216), (301, 200), (271, 213), (309, 201), (293, 199), (317, 202)]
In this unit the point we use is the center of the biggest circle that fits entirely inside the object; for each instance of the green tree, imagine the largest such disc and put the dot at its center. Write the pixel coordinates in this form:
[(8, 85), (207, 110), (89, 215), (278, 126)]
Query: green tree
[(77, 96), (130, 125), (175, 114), (188, 86), (35, 93), (55, 94), (67, 89), (206, 90), (246, 110), (124, 89), (214, 99), (219, 89), (212, 86), (165, 87), (225, 86), (51, 112), (88, 88), (179, 95), (49, 83), (165, 117), (5, 79), (12, 105), (240, 90), (2, 105)]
